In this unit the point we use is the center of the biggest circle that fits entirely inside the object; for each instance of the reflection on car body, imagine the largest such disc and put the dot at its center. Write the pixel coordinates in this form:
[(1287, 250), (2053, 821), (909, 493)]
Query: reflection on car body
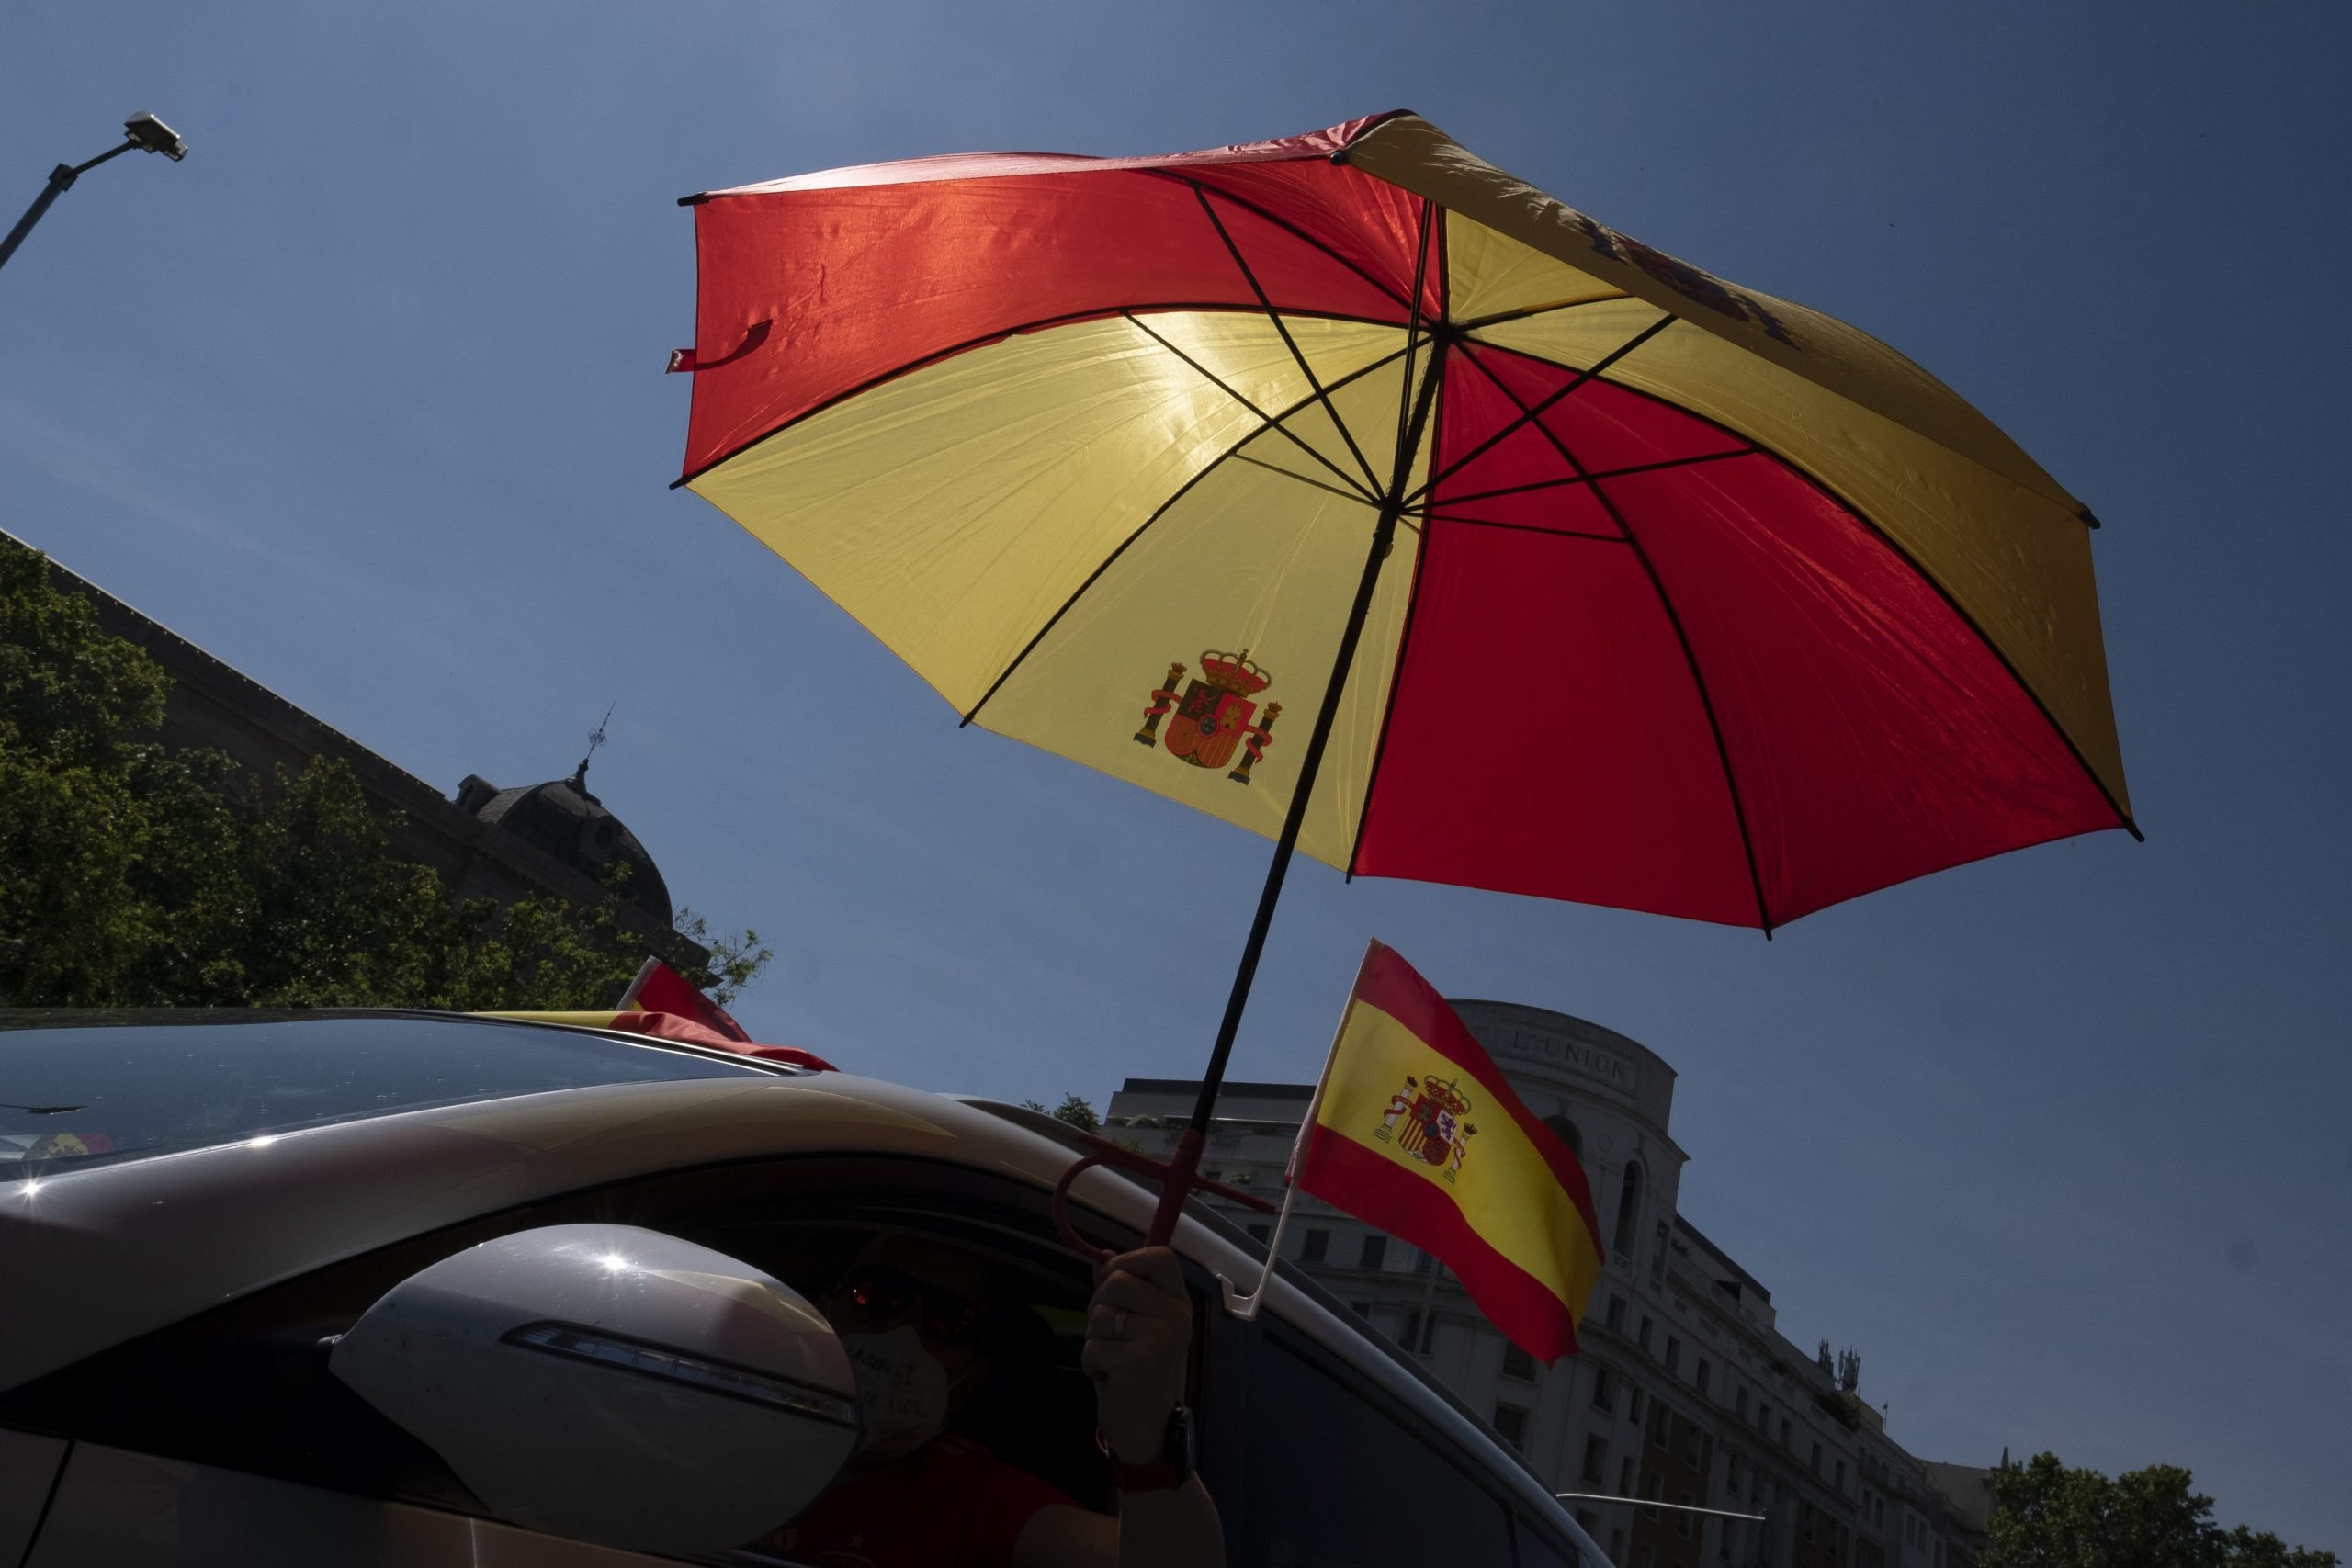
[(166, 1389)]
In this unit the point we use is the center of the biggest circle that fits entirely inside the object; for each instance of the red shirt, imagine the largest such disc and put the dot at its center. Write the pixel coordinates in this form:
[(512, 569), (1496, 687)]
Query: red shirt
[(953, 1506)]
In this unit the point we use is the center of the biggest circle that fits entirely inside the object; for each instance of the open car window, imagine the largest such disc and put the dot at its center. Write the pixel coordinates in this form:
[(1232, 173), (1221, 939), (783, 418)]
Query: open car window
[(72, 1097), (246, 1387)]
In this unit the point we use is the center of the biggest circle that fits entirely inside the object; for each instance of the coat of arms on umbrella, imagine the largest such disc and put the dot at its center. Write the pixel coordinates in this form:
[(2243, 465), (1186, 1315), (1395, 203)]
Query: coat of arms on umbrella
[(1433, 1130), (1211, 720)]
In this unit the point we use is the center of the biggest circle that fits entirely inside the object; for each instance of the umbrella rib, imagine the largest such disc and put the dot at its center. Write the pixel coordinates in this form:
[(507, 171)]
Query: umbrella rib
[(1357, 496), (1266, 302), (1673, 619), (1158, 513), (1287, 227), (1001, 334), (1526, 528), (1797, 471), (1532, 415), (1575, 479), (1413, 325), (1524, 311), (1300, 441), (1420, 535)]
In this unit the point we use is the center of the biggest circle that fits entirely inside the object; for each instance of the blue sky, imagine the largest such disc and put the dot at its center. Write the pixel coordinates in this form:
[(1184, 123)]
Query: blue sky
[(365, 397)]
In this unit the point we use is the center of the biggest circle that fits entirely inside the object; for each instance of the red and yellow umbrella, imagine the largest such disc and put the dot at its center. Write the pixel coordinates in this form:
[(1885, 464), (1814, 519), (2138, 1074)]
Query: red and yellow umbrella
[(1353, 491)]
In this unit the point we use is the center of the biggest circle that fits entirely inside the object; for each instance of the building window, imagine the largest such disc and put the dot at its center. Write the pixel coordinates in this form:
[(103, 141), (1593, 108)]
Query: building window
[(1816, 1465), (1739, 1401), (1617, 1313), (1624, 1483), (1681, 1520), (1785, 1431), (1629, 1209), (1375, 1251), (1422, 1262), (1596, 1460), (1661, 1419), (1566, 1131), (1653, 1485), (1260, 1231), (1511, 1425), (1673, 1353), (1617, 1544), (1634, 1406), (1315, 1247), (1361, 1309), (1518, 1363), (1419, 1331), (1604, 1390), (1841, 1475), (1703, 1370), (1643, 1338)]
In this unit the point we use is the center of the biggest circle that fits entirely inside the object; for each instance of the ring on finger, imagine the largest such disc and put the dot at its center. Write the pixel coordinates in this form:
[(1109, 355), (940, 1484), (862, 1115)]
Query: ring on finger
[(1118, 1323)]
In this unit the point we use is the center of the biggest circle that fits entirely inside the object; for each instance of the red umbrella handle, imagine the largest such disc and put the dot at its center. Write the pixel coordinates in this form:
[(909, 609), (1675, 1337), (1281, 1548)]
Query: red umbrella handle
[(1179, 1178)]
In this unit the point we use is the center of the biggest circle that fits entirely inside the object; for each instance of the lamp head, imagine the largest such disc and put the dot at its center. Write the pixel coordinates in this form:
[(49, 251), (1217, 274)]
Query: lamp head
[(145, 130)]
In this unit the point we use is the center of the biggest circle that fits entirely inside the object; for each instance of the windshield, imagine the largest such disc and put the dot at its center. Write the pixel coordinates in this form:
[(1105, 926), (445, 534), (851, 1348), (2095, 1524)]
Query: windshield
[(83, 1092)]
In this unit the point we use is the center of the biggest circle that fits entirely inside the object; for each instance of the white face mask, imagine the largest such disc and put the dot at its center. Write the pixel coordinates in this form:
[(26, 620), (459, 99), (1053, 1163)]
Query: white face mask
[(901, 1388)]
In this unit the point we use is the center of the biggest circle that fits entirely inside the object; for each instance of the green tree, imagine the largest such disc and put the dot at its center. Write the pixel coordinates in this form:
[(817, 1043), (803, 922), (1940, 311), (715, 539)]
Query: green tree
[(1073, 1110), (129, 879), (2046, 1514)]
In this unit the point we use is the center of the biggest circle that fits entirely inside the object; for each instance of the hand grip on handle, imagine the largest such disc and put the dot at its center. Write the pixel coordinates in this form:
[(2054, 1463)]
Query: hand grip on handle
[(1179, 1177)]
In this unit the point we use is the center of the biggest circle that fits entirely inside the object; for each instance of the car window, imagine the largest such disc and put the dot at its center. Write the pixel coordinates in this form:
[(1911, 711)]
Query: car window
[(74, 1096), (1334, 1480), (246, 1385), (1538, 1547)]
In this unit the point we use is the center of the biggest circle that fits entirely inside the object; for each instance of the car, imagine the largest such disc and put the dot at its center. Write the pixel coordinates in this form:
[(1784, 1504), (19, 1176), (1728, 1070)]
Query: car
[(292, 1287)]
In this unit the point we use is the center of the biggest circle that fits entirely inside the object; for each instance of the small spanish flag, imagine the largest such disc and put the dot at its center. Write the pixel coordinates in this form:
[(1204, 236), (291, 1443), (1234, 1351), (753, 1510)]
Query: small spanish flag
[(664, 1005), (657, 988), (1414, 1130)]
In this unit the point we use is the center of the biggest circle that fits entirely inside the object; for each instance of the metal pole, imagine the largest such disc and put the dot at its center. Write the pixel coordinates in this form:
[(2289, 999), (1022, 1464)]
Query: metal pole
[(1246, 1307), (1186, 1160), (60, 180), (1652, 1503)]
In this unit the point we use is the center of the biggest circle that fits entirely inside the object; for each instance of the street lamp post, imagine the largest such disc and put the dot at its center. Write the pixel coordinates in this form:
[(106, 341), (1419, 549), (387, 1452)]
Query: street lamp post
[(140, 132)]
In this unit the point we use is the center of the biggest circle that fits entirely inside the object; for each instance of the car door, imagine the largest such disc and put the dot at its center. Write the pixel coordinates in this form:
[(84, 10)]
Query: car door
[(225, 1440), (1330, 1468)]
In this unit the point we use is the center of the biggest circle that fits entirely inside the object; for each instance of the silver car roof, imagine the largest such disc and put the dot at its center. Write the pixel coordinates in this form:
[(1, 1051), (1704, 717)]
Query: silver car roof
[(123, 1249)]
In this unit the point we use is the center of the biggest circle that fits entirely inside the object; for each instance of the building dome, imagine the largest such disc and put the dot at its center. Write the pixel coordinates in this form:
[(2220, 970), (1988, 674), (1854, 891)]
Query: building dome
[(560, 820)]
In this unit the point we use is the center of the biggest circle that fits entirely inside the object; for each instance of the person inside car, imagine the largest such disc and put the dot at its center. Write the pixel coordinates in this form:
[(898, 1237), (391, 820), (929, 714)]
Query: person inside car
[(915, 1316)]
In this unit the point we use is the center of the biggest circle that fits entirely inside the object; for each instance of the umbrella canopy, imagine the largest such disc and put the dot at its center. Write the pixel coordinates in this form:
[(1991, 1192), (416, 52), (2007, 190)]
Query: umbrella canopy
[(1616, 583)]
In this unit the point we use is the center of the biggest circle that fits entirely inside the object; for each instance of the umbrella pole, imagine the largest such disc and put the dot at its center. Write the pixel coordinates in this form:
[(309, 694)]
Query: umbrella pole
[(1183, 1165)]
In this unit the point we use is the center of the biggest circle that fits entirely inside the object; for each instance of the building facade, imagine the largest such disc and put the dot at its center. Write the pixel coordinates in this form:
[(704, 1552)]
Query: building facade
[(1684, 1391)]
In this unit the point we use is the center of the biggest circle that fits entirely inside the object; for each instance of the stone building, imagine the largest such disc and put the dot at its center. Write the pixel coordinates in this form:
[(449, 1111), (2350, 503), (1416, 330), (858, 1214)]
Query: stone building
[(552, 839), (1685, 1390)]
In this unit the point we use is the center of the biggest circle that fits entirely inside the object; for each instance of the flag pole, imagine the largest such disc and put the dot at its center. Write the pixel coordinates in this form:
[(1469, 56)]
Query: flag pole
[(1246, 1307), (644, 973)]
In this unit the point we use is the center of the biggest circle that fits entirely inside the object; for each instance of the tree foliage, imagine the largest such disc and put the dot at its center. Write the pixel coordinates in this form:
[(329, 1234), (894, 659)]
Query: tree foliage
[(1074, 1110), (127, 877), (2046, 1514)]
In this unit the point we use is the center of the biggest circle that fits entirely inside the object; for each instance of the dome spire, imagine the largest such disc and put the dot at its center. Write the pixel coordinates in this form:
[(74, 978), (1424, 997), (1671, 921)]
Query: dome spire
[(595, 738)]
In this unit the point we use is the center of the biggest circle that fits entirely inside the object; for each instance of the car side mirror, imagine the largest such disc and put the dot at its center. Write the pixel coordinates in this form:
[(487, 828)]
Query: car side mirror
[(613, 1384)]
